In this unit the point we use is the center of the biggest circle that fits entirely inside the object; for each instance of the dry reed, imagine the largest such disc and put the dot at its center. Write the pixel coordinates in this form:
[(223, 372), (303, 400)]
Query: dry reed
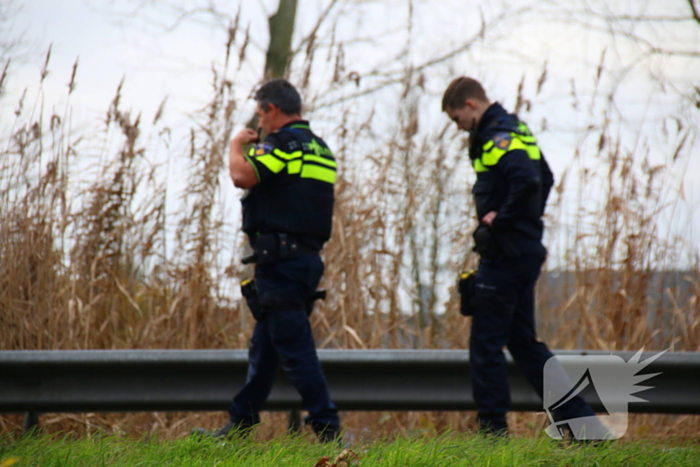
[(101, 268)]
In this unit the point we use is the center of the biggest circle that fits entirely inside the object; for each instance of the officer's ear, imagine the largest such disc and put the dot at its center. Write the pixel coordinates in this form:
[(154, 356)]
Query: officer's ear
[(273, 109), (263, 109), (471, 103)]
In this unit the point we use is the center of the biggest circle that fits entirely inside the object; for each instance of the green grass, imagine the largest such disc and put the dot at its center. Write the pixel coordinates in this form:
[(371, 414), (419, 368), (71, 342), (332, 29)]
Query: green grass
[(448, 450)]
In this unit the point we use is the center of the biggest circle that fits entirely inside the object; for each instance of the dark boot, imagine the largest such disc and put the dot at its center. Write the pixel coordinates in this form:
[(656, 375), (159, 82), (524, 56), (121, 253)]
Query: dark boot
[(328, 433), (492, 425), (230, 430)]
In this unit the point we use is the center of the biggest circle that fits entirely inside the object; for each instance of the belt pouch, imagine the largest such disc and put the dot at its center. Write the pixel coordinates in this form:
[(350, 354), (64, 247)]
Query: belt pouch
[(466, 287), (266, 249)]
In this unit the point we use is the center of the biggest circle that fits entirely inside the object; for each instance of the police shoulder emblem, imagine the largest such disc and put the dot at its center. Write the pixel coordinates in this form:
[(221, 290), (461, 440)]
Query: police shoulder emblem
[(502, 140), (263, 148)]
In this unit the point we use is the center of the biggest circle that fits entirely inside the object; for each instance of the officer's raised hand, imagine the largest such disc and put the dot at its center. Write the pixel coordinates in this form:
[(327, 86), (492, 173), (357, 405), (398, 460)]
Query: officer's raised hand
[(241, 171), (245, 136)]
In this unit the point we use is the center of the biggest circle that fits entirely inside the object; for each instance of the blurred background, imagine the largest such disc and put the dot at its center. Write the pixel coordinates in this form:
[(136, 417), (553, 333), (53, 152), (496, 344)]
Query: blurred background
[(121, 229)]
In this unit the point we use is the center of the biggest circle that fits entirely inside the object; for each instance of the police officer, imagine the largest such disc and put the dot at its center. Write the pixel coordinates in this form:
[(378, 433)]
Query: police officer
[(513, 181), (287, 214)]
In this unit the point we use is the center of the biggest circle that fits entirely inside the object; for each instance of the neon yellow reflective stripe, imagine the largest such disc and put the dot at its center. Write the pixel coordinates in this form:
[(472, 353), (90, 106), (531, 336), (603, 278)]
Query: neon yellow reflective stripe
[(516, 143), (294, 167), (271, 162), (320, 160), (522, 128), (318, 173), (533, 152), (490, 157), (530, 143), (287, 156), (491, 154), (479, 167), (257, 174)]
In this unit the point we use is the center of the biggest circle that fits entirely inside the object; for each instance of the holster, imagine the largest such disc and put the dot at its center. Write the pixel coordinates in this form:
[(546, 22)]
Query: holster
[(466, 288), (489, 242), (249, 290), (484, 242), (317, 295)]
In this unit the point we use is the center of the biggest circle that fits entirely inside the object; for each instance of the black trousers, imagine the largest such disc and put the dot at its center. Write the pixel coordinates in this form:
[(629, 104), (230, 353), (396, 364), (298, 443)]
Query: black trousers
[(283, 338), (504, 316)]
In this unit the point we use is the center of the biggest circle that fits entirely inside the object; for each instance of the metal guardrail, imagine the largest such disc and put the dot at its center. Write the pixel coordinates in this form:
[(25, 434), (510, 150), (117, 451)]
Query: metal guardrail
[(204, 380)]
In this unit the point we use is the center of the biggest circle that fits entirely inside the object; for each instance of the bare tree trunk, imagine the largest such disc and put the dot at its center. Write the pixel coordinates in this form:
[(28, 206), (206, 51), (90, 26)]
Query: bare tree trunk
[(281, 26), (281, 30)]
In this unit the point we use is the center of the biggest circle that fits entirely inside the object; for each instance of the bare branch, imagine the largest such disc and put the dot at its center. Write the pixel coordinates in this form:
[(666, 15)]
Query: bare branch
[(186, 15), (398, 75), (694, 8), (590, 19), (314, 31)]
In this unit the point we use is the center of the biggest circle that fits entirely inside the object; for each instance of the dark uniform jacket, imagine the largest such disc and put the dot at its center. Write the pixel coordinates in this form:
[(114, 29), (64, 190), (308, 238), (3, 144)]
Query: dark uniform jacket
[(296, 172), (513, 179)]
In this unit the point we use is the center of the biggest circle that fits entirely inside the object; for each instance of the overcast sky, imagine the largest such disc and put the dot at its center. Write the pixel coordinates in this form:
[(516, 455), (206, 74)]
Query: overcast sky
[(110, 45)]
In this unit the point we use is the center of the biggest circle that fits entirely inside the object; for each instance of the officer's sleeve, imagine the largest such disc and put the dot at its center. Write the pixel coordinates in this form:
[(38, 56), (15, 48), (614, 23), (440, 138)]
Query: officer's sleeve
[(267, 158), (547, 179), (523, 184)]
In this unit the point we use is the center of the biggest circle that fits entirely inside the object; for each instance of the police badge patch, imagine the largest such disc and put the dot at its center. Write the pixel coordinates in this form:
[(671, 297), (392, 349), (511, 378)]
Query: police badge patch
[(263, 148), (502, 140)]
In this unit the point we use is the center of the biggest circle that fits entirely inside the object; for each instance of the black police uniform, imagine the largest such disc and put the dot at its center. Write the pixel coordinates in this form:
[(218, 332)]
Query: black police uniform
[(289, 210), (514, 180)]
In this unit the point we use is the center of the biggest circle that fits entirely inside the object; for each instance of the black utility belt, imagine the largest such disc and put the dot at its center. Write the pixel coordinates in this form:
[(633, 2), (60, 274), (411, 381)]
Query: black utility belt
[(273, 247)]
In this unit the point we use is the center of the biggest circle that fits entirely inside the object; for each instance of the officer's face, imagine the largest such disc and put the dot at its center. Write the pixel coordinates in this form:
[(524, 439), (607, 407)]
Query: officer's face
[(266, 118), (466, 118)]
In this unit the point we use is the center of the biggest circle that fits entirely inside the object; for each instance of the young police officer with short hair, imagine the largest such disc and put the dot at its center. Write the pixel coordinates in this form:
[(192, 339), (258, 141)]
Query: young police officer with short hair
[(287, 214), (513, 182)]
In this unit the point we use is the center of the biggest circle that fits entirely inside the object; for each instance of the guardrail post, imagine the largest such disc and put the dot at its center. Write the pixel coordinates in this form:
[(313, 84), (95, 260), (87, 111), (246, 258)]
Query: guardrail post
[(294, 421), (31, 423)]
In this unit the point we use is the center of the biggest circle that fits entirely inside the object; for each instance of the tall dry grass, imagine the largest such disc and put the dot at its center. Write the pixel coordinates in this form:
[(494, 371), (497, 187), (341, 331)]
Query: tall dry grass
[(102, 262)]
